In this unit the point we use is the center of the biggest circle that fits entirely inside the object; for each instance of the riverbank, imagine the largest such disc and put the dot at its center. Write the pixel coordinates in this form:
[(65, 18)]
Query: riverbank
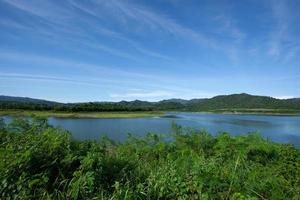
[(136, 114)]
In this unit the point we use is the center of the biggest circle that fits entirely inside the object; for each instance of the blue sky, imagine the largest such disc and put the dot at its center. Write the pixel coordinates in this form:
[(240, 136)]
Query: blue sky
[(111, 50)]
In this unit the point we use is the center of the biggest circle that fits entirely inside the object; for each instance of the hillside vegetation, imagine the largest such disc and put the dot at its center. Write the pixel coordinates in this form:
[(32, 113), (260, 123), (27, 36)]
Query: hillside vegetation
[(219, 103), (245, 101), (42, 162)]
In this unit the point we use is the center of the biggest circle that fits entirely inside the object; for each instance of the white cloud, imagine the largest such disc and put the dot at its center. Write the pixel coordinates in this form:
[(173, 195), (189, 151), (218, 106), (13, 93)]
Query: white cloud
[(284, 97), (282, 43)]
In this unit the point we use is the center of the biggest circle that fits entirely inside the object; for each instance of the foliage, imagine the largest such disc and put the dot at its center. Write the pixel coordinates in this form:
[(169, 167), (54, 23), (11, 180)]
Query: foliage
[(245, 101), (231, 103), (43, 162)]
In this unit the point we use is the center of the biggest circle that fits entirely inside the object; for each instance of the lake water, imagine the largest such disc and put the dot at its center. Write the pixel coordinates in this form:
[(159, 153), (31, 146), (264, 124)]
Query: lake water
[(284, 129)]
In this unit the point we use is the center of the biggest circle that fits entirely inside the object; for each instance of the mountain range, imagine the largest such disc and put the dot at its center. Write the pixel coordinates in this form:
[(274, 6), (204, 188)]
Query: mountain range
[(4, 98), (225, 102)]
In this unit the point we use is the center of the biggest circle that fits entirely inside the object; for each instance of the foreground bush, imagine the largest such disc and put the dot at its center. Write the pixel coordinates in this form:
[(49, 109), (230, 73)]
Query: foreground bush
[(42, 162)]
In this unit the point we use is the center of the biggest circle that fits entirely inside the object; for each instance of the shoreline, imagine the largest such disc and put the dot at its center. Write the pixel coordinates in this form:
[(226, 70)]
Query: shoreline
[(132, 114), (92, 115), (258, 113), (245, 113), (274, 112)]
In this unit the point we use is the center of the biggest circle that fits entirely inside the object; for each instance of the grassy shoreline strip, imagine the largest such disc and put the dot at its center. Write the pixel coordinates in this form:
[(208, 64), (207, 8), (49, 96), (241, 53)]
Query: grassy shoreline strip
[(82, 114), (139, 114)]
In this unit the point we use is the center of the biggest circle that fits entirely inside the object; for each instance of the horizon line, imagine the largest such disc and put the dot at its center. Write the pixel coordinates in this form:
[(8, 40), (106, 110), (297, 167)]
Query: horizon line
[(117, 101)]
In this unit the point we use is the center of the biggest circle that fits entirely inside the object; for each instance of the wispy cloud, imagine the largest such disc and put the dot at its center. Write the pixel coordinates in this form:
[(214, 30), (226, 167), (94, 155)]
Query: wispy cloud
[(282, 43), (227, 29), (93, 74), (159, 94), (227, 25), (43, 78), (69, 64), (61, 22), (280, 13), (40, 9), (284, 97), (145, 19), (109, 85), (91, 23), (123, 44), (158, 22)]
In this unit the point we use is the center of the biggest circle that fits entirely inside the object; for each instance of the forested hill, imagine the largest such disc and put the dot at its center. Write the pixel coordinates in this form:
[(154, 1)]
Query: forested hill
[(223, 102), (245, 101)]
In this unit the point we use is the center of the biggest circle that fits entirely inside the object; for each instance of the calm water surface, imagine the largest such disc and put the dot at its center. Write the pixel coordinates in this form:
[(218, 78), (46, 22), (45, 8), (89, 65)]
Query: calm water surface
[(284, 129)]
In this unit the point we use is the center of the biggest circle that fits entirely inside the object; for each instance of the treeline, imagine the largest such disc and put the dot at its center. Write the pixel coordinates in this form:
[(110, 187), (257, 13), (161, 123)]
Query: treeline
[(91, 106), (225, 102), (80, 107), (43, 162)]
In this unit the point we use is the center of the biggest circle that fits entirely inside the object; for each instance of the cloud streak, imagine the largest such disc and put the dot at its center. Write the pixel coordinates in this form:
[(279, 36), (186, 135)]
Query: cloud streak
[(160, 94), (42, 78), (282, 43), (66, 23), (188, 49), (93, 74), (155, 21), (69, 64), (61, 22)]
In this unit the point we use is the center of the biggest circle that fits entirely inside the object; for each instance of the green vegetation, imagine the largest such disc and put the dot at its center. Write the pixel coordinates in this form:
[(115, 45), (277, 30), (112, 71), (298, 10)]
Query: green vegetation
[(236, 103), (246, 101), (42, 162), (122, 106), (82, 114)]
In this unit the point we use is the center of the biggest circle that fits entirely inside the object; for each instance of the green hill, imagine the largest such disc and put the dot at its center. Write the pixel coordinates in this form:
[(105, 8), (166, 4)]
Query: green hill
[(235, 102), (243, 101), (4, 98)]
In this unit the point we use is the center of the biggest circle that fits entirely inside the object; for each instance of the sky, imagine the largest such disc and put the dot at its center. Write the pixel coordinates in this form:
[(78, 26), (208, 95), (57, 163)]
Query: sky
[(112, 50)]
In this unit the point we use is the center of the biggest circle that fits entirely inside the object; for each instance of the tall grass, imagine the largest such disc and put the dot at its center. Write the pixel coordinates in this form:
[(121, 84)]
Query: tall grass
[(42, 162)]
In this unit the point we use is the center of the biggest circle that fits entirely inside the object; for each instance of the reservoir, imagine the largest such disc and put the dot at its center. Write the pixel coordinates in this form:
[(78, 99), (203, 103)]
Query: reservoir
[(282, 129)]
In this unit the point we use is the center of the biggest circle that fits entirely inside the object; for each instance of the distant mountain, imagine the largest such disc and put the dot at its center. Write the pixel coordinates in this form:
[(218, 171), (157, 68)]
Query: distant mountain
[(195, 101), (222, 102), (294, 100), (137, 104), (25, 100), (181, 101)]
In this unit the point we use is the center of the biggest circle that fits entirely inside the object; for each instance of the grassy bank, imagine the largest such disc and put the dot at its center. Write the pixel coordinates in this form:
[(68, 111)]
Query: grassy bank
[(135, 114), (42, 162)]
